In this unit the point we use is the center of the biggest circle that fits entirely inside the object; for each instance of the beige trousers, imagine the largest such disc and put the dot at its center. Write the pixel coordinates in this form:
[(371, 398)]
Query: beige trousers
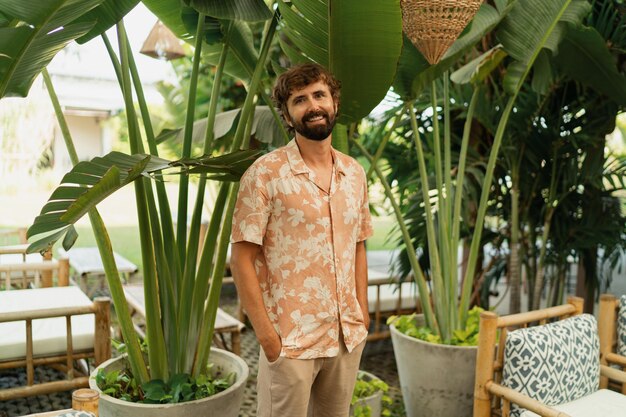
[(308, 387)]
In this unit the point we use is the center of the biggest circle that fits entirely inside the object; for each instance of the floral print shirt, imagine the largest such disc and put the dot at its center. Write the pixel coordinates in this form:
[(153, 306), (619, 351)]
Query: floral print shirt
[(308, 237)]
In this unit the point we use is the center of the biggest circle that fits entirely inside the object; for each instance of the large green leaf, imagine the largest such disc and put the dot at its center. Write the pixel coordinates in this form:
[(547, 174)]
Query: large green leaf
[(170, 13), (529, 20), (105, 15), (479, 68), (25, 50), (526, 26), (248, 10), (358, 40), (90, 182), (241, 58), (584, 56), (264, 127), (415, 73)]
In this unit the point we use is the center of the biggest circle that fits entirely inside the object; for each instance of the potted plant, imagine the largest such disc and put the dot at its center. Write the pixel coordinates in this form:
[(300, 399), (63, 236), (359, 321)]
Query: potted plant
[(181, 281), (436, 370), (370, 398)]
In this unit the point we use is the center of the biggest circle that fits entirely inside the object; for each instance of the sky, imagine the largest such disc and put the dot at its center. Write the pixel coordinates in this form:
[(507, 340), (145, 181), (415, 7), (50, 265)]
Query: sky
[(92, 57)]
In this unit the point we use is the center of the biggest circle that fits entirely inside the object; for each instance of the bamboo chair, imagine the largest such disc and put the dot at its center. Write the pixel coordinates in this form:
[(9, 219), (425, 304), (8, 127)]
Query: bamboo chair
[(512, 366), (56, 335), (13, 236), (40, 273), (612, 332), (387, 297)]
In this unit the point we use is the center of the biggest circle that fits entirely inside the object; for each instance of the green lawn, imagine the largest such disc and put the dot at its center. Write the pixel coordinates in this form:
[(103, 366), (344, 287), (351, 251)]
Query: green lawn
[(125, 239)]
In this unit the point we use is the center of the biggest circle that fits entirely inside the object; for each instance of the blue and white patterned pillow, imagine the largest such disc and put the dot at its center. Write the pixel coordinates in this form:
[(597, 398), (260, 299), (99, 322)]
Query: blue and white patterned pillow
[(621, 327), (554, 363)]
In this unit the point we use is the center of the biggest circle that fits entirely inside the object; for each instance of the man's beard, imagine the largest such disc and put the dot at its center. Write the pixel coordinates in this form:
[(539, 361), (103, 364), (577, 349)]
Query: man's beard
[(317, 132)]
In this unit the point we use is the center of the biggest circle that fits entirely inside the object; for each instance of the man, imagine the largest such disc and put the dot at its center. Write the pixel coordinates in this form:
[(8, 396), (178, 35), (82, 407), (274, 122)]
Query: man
[(298, 256)]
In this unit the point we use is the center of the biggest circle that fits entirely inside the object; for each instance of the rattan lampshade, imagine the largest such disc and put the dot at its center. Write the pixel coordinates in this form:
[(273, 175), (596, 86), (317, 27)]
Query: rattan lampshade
[(161, 43), (434, 25)]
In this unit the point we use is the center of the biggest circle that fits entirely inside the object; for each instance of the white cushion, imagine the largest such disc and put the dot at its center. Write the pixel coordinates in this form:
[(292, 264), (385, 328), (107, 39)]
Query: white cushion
[(602, 403), (49, 335)]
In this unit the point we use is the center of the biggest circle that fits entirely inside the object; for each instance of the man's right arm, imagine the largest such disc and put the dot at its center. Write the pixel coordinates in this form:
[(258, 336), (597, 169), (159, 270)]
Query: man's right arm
[(242, 267)]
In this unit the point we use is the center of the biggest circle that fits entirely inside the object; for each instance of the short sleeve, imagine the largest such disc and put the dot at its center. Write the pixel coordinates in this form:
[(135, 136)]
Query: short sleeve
[(365, 226), (252, 208)]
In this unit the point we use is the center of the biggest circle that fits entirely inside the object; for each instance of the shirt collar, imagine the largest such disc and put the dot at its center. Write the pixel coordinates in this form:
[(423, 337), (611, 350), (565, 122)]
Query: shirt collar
[(297, 164)]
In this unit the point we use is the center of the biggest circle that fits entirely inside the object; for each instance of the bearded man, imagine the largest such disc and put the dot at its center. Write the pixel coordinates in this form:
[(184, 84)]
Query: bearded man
[(298, 256)]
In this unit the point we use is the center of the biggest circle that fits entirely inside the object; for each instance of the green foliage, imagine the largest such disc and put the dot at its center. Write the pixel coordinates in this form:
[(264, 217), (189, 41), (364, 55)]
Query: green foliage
[(468, 336), (366, 387), (179, 388)]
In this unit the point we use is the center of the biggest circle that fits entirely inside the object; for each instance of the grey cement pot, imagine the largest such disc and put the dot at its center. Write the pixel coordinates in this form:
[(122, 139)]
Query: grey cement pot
[(224, 404), (436, 380), (374, 401)]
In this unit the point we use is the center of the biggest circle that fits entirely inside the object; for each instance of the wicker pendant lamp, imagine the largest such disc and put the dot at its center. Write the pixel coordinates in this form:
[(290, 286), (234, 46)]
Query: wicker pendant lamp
[(161, 43), (434, 25)]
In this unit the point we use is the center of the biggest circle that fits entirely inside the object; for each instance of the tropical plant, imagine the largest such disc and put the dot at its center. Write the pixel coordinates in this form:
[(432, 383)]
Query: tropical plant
[(524, 30), (367, 386), (181, 281)]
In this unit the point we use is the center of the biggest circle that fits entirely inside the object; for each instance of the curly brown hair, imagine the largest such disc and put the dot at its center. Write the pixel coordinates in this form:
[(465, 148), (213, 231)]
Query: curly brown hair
[(298, 77)]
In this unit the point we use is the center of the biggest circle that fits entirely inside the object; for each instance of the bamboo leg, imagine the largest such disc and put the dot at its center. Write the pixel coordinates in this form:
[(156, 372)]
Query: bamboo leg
[(484, 363), (30, 367), (70, 348), (102, 342), (46, 276), (64, 272), (606, 323)]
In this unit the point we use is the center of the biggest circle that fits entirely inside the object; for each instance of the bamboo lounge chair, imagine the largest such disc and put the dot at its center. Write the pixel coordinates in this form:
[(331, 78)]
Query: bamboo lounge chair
[(552, 369), (612, 332), (52, 326)]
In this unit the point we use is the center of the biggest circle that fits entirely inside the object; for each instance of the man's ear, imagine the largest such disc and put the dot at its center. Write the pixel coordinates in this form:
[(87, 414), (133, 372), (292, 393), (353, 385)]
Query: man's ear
[(287, 119)]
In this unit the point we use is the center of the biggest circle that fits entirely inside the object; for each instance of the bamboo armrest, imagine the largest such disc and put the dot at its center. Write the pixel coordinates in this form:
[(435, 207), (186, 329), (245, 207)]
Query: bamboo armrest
[(42, 265), (524, 401), (44, 314), (616, 359), (612, 373), (536, 315), (14, 249)]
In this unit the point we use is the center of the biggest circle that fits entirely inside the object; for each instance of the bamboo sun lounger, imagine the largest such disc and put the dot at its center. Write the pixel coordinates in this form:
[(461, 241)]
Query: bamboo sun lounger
[(52, 326)]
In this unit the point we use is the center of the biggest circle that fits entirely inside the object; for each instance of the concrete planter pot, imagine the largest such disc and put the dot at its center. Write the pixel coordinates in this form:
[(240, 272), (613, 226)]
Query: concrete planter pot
[(224, 404), (374, 401), (436, 380)]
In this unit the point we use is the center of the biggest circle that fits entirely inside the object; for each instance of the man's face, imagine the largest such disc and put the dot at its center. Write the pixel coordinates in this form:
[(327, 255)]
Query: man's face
[(312, 111)]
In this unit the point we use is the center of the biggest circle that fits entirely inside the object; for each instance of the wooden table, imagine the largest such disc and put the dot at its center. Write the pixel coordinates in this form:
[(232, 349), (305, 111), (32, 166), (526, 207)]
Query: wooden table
[(224, 323), (87, 263)]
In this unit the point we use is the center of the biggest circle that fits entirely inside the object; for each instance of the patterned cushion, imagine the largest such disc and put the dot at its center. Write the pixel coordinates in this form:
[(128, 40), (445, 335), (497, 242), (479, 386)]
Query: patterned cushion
[(554, 363), (621, 327)]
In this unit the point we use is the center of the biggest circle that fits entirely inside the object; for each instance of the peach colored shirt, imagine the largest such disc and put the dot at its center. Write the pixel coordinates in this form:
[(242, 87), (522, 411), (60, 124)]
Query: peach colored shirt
[(308, 239)]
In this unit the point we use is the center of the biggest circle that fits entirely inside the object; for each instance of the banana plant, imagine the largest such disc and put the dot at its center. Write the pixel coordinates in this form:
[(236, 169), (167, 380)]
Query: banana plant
[(520, 45), (171, 273), (359, 41)]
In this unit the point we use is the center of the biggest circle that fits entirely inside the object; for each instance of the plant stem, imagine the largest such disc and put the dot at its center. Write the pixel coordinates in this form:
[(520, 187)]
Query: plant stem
[(103, 242), (183, 190), (439, 298), (383, 144), (157, 353), (424, 294)]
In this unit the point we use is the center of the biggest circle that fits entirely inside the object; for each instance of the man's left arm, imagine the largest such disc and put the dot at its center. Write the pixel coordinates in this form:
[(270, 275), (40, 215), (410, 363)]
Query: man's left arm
[(360, 269)]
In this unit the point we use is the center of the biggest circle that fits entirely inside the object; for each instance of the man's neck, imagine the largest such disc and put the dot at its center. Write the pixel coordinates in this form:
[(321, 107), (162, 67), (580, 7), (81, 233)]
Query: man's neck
[(315, 154)]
